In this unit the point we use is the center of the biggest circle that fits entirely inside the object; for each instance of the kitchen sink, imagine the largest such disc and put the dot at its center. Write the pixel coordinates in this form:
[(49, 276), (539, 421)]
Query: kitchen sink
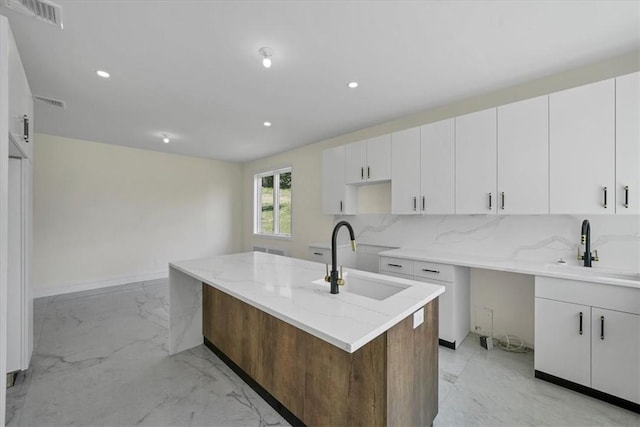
[(594, 271), (369, 287)]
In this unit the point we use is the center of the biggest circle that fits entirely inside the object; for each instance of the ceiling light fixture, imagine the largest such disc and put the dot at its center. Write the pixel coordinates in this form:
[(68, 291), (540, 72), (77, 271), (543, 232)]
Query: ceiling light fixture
[(165, 138), (103, 74), (353, 85), (266, 53), (267, 124)]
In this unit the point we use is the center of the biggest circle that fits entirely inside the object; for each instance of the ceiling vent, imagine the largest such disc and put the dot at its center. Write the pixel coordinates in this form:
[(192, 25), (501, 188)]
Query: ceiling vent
[(44, 10), (52, 102)]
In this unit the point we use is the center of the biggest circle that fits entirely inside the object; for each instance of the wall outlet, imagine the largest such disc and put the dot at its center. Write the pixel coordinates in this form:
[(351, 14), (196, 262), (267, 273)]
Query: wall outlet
[(418, 318)]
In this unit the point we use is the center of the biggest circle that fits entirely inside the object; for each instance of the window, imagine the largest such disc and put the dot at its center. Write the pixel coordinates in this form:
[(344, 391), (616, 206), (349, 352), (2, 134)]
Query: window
[(273, 203)]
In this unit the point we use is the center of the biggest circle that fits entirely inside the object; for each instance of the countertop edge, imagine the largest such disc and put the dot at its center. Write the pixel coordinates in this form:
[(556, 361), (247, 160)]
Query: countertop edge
[(531, 269)]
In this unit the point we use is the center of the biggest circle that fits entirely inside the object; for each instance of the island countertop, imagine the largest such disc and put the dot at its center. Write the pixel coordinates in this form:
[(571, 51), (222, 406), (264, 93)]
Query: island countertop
[(283, 287)]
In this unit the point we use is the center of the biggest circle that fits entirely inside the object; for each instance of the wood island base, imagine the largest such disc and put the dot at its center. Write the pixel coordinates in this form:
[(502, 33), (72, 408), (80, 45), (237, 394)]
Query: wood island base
[(392, 380)]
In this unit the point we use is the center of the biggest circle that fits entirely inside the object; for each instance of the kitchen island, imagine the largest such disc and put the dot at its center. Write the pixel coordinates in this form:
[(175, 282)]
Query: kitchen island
[(327, 359)]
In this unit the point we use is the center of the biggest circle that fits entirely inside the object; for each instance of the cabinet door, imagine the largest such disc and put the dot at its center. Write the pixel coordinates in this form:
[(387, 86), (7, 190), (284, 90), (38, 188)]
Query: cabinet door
[(615, 353), (476, 163), (523, 157), (337, 198), (378, 167), (582, 149), (405, 171), (356, 162), (561, 349), (628, 144), (437, 172), (446, 310)]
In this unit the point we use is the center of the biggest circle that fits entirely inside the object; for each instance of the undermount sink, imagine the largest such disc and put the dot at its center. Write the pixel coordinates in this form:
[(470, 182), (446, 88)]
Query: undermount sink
[(594, 271), (374, 288)]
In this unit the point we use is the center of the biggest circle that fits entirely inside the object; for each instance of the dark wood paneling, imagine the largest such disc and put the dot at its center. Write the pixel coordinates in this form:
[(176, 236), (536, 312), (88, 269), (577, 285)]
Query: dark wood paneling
[(412, 370), (345, 389)]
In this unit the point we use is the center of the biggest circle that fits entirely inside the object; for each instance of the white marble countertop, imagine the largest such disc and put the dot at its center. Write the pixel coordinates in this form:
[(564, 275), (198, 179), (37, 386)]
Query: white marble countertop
[(571, 271), (283, 288)]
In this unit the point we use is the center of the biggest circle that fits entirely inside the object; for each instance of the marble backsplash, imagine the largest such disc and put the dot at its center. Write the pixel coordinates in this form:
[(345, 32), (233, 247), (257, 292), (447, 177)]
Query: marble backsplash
[(535, 238)]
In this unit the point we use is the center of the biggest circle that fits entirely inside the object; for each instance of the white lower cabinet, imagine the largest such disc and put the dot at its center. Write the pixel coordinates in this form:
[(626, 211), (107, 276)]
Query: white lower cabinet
[(589, 334), (454, 317)]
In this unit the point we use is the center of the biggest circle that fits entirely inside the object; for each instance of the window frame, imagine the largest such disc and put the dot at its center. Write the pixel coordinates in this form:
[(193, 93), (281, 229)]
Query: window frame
[(257, 204)]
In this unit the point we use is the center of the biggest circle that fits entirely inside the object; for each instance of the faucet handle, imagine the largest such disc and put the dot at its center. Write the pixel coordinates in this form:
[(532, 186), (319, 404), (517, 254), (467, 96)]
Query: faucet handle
[(340, 280), (327, 278), (595, 258)]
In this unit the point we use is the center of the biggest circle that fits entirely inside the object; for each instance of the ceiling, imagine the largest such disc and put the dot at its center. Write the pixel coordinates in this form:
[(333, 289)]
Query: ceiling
[(191, 69)]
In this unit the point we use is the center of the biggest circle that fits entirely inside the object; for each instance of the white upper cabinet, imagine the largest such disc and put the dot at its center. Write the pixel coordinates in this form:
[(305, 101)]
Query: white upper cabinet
[(582, 149), (405, 171), (337, 198), (523, 157), (20, 103), (628, 144), (476, 163), (437, 159), (369, 160)]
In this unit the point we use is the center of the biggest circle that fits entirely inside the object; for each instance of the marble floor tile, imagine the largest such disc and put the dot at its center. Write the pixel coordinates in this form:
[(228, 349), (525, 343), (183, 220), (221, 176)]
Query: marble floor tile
[(101, 359)]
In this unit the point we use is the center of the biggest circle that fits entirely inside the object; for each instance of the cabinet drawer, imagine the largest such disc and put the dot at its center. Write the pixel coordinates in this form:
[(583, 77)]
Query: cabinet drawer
[(432, 270), (396, 265), (320, 255)]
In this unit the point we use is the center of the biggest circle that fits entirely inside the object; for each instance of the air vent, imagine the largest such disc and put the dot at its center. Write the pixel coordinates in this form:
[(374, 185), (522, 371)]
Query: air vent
[(51, 102), (44, 10)]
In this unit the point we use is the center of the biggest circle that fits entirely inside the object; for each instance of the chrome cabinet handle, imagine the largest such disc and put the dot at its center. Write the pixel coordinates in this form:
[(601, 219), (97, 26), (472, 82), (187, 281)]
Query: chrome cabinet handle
[(368, 172), (423, 203), (414, 204), (626, 196), (395, 265), (502, 196), (490, 201), (430, 271), (601, 327), (580, 329), (362, 172), (25, 129), (604, 190)]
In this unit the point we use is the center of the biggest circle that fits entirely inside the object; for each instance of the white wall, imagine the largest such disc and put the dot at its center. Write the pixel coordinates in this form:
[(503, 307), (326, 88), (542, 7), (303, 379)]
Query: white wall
[(107, 214), (539, 238)]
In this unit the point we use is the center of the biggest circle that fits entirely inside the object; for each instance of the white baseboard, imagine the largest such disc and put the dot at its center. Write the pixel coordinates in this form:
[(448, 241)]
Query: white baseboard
[(89, 286)]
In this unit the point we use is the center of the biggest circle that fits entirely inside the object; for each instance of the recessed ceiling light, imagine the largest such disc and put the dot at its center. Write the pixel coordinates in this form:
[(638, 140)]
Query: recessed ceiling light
[(353, 85), (266, 53), (165, 138), (103, 74), (267, 124)]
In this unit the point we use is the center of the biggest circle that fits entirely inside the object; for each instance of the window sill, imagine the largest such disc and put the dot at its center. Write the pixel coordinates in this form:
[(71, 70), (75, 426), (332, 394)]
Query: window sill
[(272, 236)]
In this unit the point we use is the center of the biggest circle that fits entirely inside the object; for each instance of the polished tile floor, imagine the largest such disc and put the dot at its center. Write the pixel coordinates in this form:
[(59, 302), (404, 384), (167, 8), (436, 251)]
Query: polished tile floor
[(100, 359)]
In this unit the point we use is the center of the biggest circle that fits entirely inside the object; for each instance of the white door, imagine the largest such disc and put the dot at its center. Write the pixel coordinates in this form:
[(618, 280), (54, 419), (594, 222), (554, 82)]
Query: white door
[(628, 144), (476, 163), (337, 198), (582, 149), (523, 157), (405, 171), (615, 356), (378, 166), (356, 162), (563, 340), (437, 172)]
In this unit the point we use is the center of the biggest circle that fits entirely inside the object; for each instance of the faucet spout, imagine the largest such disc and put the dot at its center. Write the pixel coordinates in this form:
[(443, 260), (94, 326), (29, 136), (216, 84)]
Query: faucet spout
[(586, 241), (334, 252)]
